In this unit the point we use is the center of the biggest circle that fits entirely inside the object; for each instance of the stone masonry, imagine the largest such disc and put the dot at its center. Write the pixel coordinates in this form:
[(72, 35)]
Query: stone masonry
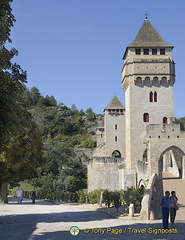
[(140, 139)]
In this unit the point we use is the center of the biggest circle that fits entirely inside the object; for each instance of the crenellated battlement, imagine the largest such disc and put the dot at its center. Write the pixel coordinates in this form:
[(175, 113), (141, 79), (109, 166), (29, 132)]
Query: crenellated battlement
[(108, 160), (164, 131)]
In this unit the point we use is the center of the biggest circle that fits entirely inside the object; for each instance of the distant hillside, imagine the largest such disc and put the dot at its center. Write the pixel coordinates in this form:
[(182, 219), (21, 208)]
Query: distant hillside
[(69, 138)]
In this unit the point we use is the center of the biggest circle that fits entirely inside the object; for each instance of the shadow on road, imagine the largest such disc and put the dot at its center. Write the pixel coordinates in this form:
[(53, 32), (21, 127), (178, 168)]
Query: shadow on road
[(128, 232), (22, 226), (55, 226), (27, 201)]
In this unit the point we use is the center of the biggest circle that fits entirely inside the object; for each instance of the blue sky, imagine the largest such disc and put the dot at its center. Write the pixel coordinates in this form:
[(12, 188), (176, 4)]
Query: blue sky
[(73, 49)]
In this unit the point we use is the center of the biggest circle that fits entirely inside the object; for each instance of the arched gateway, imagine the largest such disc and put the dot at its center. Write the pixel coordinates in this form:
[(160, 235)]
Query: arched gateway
[(165, 155)]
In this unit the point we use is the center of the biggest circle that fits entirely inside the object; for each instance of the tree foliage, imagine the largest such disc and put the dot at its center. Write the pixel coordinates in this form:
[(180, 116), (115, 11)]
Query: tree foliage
[(12, 78), (181, 121), (133, 195), (62, 170), (23, 154), (20, 141)]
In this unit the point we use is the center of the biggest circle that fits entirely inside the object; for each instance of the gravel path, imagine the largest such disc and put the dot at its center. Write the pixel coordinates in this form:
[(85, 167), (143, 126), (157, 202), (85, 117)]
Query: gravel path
[(49, 221)]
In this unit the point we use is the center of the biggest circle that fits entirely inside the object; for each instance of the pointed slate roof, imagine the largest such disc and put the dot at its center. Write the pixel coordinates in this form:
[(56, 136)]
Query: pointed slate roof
[(148, 37), (115, 104)]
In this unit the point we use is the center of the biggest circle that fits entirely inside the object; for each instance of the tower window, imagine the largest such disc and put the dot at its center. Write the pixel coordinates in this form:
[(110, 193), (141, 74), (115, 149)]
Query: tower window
[(165, 120), (116, 154), (155, 97), (154, 51), (151, 97), (137, 51), (116, 126), (171, 164), (146, 51), (164, 81), (117, 111), (155, 81), (145, 117), (116, 138), (121, 111), (162, 51)]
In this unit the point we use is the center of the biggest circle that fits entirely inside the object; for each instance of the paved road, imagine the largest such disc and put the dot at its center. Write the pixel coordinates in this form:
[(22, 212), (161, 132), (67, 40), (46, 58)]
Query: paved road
[(47, 221), (178, 185)]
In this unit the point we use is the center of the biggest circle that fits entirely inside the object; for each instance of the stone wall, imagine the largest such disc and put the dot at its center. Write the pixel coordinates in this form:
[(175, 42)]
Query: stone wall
[(150, 206), (105, 173)]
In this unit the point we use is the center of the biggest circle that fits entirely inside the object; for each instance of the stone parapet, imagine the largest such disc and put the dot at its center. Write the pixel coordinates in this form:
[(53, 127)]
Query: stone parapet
[(105, 173), (164, 131), (108, 160)]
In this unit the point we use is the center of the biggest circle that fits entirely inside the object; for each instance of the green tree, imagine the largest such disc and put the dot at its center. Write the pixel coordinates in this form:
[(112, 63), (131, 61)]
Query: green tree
[(20, 142), (181, 121), (87, 141), (133, 195), (24, 153), (12, 77), (30, 97), (90, 114), (50, 101), (62, 168), (34, 95), (108, 197)]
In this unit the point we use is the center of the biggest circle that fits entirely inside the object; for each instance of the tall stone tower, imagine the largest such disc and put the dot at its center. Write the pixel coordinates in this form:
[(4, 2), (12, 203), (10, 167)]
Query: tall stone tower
[(111, 131), (106, 169), (138, 143), (148, 76)]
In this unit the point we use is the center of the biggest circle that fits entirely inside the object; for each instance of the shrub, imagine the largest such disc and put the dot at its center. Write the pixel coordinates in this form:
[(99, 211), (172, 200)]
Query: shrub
[(133, 195), (81, 197), (94, 196), (107, 197), (116, 199)]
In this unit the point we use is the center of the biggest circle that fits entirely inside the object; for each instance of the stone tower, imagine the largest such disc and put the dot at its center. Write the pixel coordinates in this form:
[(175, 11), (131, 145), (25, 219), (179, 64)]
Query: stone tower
[(111, 131), (106, 169), (138, 143), (148, 76)]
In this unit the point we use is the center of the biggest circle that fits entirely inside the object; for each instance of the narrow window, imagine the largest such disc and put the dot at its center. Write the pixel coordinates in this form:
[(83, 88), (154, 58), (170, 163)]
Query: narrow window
[(171, 163), (162, 51), (146, 51), (154, 51), (151, 96), (137, 51), (165, 120), (155, 97), (116, 138), (145, 117), (116, 126)]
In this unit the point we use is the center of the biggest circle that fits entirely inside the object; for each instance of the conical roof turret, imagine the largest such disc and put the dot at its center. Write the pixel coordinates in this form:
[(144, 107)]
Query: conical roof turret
[(115, 104), (148, 37)]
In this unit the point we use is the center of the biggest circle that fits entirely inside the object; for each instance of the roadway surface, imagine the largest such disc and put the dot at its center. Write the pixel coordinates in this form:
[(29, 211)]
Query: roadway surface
[(49, 221)]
